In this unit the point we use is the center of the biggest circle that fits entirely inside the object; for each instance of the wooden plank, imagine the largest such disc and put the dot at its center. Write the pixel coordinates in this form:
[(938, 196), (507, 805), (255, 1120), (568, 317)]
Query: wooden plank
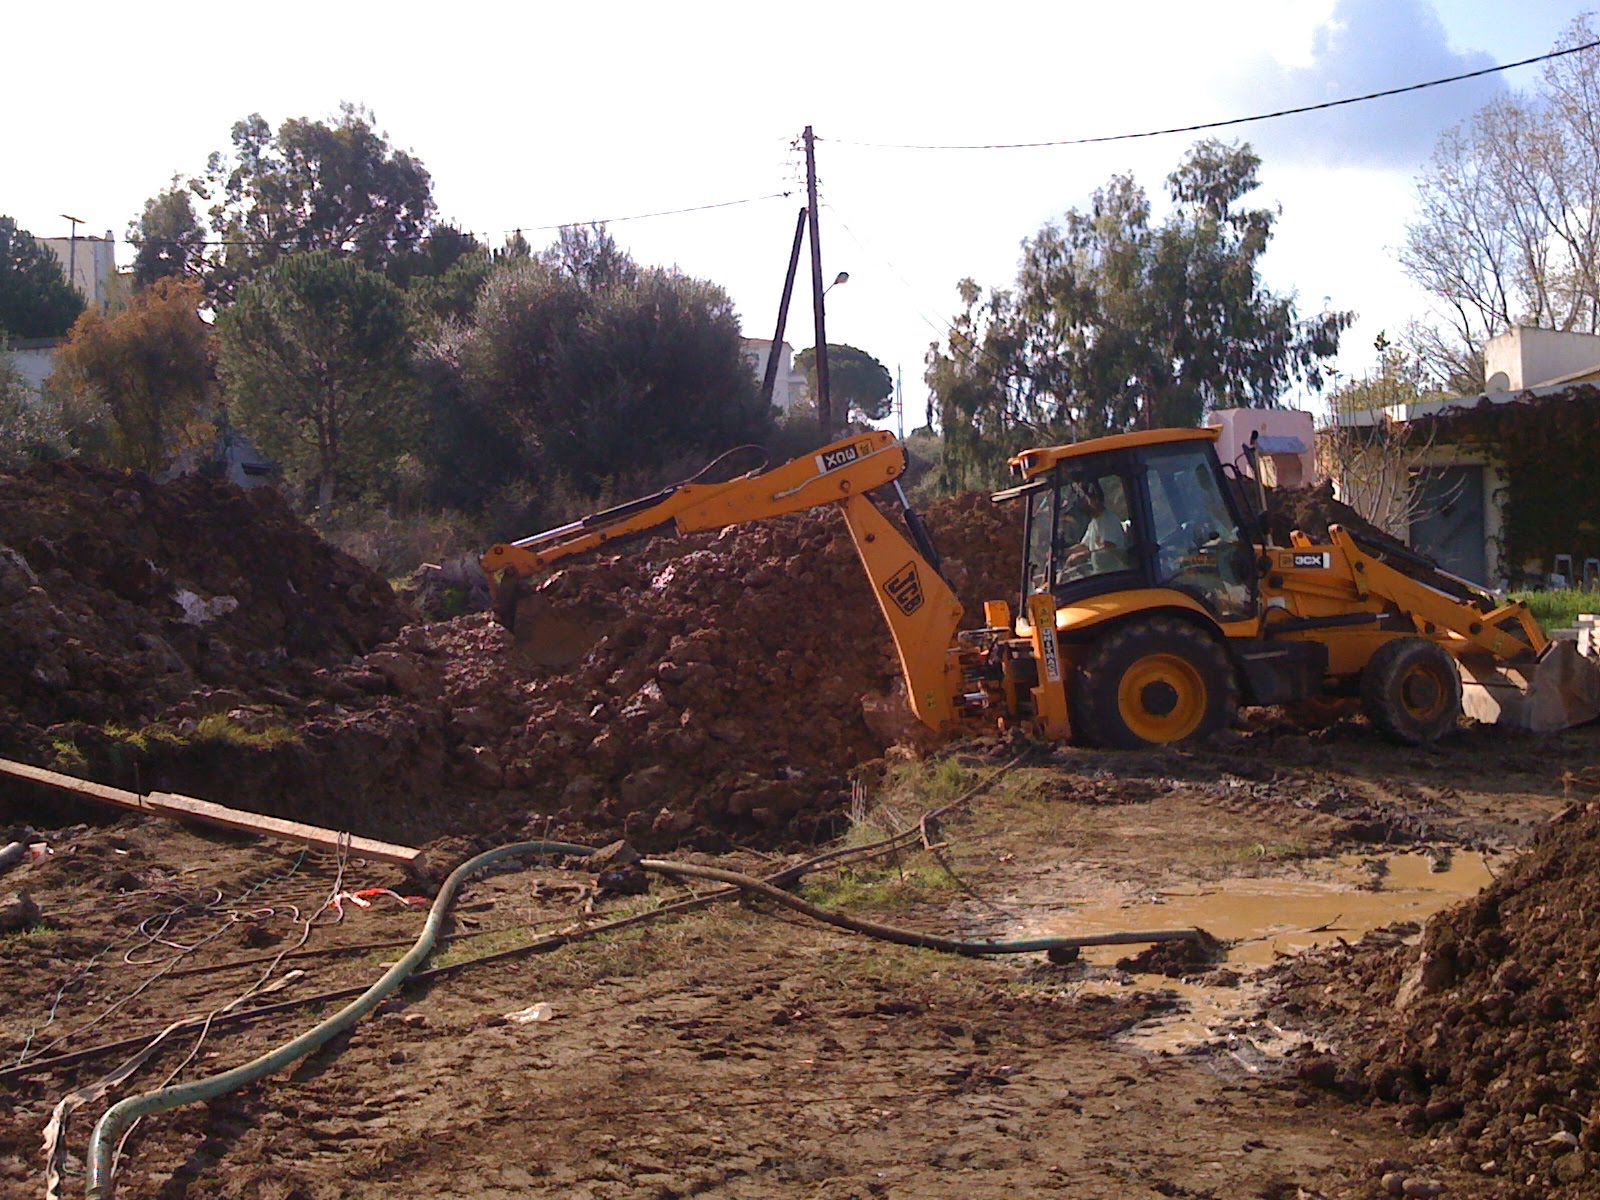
[(187, 808), (204, 811), (71, 783)]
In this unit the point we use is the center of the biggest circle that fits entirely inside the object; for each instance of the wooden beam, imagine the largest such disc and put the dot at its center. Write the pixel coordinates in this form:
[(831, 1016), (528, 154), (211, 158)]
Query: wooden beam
[(187, 808)]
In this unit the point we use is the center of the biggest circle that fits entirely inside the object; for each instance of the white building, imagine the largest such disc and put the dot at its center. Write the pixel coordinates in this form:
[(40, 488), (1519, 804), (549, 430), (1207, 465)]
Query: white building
[(790, 388), (90, 265), (32, 358)]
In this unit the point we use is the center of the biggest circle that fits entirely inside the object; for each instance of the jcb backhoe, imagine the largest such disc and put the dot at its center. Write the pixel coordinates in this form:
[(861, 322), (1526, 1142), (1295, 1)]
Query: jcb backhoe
[(1151, 604)]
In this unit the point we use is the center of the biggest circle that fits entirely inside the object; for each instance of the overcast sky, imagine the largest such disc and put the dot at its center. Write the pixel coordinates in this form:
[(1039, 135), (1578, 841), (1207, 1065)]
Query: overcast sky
[(533, 116)]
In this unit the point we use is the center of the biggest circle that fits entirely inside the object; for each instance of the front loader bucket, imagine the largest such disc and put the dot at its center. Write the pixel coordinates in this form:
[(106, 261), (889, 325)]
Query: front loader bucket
[(544, 636), (1560, 690)]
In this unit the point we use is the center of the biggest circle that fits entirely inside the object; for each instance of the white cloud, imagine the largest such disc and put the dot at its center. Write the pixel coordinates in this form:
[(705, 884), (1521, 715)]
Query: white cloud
[(1365, 46)]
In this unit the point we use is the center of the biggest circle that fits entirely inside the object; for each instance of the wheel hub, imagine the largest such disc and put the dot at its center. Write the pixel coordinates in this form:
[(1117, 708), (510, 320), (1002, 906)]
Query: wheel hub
[(1162, 698), (1159, 698), (1421, 693)]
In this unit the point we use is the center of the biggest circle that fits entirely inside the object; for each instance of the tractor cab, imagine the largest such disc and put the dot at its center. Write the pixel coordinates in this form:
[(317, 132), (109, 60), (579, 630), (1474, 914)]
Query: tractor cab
[(1137, 510)]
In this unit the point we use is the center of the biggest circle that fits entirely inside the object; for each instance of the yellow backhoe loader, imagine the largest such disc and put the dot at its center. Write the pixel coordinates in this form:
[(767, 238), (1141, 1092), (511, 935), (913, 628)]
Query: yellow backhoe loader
[(1151, 604)]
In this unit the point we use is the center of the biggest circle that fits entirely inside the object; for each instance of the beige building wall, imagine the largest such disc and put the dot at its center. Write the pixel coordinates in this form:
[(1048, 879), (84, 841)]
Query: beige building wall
[(90, 264)]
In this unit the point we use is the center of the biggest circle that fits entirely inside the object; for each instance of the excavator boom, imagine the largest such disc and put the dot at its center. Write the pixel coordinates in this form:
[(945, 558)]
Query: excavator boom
[(917, 604)]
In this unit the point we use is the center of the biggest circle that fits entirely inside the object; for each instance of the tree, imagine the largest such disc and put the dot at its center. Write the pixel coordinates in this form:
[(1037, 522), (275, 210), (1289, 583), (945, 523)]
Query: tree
[(313, 185), (1372, 453), (36, 301), (1507, 230), (1399, 378), (168, 237), (604, 371), (315, 356), (855, 378), (149, 366), (26, 432), (1115, 322)]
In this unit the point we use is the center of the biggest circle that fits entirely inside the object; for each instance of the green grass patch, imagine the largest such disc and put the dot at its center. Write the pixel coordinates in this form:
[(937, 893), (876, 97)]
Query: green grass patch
[(219, 727), (142, 739), (66, 758), (860, 968), (1559, 610), (880, 887)]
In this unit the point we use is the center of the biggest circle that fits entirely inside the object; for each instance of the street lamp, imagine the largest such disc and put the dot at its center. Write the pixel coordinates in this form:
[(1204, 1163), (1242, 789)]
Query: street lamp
[(72, 251), (842, 277)]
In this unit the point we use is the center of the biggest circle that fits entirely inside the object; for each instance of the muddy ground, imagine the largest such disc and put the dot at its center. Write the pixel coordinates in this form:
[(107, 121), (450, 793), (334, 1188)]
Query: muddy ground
[(744, 1051), (731, 700)]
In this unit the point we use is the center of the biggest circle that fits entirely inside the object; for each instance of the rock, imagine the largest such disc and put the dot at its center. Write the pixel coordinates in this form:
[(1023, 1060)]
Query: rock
[(615, 855), (402, 672), (1432, 972), (367, 681), (483, 767), (1570, 1168), (623, 881), (16, 576), (18, 911), (645, 788)]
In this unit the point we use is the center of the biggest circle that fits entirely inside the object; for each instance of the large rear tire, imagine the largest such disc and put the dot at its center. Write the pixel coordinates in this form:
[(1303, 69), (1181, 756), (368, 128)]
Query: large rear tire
[(1153, 682), (1411, 691)]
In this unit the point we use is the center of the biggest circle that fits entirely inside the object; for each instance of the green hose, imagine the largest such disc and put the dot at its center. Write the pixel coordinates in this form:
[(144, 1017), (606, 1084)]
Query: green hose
[(121, 1115)]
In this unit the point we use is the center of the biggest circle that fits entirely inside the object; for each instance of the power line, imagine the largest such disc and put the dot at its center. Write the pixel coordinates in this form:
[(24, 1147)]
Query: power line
[(291, 243), (670, 212), (946, 331), (1285, 112)]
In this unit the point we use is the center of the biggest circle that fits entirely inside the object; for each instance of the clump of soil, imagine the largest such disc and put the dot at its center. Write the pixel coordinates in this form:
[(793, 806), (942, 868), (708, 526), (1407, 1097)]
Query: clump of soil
[(1486, 1035), (119, 596), (1311, 510), (1179, 959)]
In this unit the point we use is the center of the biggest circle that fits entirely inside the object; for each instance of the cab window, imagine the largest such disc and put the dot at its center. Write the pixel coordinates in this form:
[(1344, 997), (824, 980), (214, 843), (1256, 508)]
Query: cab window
[(1199, 547)]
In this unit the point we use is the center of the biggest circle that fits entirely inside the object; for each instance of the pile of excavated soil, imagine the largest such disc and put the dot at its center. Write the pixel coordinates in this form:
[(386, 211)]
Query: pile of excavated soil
[(708, 690), (981, 545), (715, 691), (1311, 510), (1487, 1035), (119, 596)]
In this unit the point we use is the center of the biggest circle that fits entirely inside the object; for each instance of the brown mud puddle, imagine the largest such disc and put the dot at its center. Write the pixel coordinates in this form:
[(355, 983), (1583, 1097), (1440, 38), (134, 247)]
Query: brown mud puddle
[(1259, 921)]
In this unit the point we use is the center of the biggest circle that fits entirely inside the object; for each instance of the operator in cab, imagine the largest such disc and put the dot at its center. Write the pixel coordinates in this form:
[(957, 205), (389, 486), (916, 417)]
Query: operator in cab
[(1103, 544)]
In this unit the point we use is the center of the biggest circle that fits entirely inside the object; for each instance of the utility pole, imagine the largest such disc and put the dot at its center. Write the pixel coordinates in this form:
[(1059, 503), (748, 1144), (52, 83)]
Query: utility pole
[(899, 402), (824, 406), (72, 253), (770, 377)]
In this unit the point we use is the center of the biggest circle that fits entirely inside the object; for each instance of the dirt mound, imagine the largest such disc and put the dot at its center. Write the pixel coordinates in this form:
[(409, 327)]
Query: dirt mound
[(714, 689), (1487, 1034), (717, 688), (981, 544), (1311, 510), (119, 596)]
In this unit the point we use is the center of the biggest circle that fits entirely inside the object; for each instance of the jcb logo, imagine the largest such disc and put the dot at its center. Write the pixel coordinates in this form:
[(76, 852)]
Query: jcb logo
[(842, 457), (905, 589)]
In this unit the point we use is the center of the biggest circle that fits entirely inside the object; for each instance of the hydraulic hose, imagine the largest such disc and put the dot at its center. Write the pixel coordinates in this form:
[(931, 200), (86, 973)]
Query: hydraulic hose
[(108, 1131), (910, 937)]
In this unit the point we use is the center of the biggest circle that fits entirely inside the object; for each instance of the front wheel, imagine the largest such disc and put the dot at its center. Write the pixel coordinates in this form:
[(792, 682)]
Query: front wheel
[(1411, 690), (1153, 682)]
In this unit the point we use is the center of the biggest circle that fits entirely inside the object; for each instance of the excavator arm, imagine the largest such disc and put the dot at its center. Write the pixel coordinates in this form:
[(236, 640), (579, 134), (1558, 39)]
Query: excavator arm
[(848, 467), (917, 604)]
